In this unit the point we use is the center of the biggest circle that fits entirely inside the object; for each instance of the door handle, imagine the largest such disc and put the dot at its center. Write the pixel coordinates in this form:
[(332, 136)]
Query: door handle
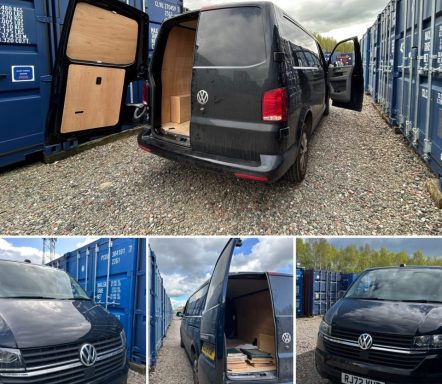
[(2, 75)]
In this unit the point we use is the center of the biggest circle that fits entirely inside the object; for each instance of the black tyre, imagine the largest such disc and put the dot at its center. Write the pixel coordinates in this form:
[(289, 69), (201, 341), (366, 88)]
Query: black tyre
[(327, 106), (195, 370), (298, 170)]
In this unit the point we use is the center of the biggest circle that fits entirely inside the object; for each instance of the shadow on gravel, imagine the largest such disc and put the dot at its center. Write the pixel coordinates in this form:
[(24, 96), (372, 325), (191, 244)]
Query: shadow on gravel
[(306, 371)]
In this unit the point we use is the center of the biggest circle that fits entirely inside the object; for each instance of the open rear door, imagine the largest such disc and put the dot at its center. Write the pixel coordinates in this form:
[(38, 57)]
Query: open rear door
[(103, 48), (346, 75), (211, 361), (281, 288)]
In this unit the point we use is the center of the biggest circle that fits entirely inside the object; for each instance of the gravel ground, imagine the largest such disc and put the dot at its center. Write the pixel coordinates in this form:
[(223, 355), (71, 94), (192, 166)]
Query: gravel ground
[(173, 365), (362, 180), (136, 378), (306, 336)]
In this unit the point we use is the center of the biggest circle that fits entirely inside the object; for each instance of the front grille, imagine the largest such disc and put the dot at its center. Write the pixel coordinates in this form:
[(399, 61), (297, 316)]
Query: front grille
[(41, 359), (384, 339), (385, 358)]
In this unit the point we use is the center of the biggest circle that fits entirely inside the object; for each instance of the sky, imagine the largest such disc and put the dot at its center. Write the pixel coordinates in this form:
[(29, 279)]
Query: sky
[(19, 249), (340, 19), (185, 264), (431, 247)]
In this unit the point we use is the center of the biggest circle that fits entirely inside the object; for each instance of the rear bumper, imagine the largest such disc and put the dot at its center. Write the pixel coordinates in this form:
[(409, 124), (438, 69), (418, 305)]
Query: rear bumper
[(331, 367), (269, 169)]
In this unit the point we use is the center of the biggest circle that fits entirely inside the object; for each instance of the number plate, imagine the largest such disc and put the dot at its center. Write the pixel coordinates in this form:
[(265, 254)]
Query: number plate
[(350, 379)]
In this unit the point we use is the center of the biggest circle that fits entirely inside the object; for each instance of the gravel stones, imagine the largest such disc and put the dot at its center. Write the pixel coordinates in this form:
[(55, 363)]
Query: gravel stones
[(173, 365), (363, 179), (306, 336)]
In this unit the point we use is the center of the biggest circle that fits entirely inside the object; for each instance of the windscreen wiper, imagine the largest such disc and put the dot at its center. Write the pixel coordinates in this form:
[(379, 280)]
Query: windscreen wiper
[(421, 301), (31, 297)]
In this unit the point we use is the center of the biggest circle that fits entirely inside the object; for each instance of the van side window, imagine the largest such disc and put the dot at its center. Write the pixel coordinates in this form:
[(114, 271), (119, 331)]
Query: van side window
[(195, 304), (304, 47)]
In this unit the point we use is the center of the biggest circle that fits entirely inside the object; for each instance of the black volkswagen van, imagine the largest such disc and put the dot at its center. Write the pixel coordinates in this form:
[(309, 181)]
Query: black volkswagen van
[(386, 329), (240, 88), (51, 331), (234, 309)]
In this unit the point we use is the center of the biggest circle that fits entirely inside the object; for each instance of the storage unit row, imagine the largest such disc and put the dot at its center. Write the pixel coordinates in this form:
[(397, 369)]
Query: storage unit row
[(318, 290), (160, 310), (402, 54)]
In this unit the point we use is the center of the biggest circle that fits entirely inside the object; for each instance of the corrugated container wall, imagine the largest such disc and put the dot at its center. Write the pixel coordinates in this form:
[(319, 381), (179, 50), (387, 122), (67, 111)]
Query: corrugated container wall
[(160, 309), (347, 279), (321, 290), (29, 34), (405, 76), (113, 272), (300, 292)]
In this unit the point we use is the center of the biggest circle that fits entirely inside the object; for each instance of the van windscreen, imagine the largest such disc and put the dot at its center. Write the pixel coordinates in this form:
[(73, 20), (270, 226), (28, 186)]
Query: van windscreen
[(407, 285), (30, 281), (230, 37)]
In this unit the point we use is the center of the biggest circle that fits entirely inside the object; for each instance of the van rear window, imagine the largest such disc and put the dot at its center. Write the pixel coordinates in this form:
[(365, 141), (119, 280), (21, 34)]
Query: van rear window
[(230, 37)]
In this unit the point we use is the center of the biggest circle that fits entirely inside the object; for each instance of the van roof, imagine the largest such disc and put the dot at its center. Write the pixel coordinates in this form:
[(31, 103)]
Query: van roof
[(25, 263), (406, 267)]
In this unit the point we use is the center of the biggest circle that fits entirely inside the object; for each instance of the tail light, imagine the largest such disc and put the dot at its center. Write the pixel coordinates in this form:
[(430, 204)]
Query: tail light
[(274, 105), (146, 91)]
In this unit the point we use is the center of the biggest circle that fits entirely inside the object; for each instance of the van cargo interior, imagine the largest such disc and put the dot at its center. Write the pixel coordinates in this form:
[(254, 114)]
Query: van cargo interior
[(249, 321), (176, 79)]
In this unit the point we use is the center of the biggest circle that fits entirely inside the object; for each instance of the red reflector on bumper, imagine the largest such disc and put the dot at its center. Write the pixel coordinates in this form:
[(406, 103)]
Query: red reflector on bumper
[(251, 177), (145, 148)]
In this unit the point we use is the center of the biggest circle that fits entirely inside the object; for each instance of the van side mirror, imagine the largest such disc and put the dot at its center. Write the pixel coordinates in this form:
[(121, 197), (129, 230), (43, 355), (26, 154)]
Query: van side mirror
[(179, 314), (341, 294)]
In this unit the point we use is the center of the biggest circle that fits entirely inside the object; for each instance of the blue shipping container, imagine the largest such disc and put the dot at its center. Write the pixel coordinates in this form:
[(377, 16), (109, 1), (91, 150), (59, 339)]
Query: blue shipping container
[(160, 310), (409, 42), (30, 32), (347, 279), (321, 289), (25, 77), (300, 292), (113, 272)]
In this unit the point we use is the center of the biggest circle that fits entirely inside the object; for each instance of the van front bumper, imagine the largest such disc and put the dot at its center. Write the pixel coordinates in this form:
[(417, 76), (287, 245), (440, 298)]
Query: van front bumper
[(331, 367), (269, 169)]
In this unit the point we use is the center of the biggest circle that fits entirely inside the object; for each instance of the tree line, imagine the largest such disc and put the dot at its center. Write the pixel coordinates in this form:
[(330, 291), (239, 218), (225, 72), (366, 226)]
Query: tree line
[(320, 254), (329, 43)]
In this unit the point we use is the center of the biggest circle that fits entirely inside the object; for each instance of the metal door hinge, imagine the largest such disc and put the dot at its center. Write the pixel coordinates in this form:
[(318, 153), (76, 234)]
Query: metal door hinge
[(427, 149), (44, 19), (46, 78)]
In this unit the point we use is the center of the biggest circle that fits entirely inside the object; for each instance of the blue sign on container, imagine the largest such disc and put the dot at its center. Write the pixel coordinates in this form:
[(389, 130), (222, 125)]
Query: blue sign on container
[(22, 73), (113, 273)]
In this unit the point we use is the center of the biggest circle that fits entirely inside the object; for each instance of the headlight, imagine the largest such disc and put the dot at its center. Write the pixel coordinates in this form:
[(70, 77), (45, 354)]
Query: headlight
[(10, 360), (123, 338), (325, 328), (428, 342)]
